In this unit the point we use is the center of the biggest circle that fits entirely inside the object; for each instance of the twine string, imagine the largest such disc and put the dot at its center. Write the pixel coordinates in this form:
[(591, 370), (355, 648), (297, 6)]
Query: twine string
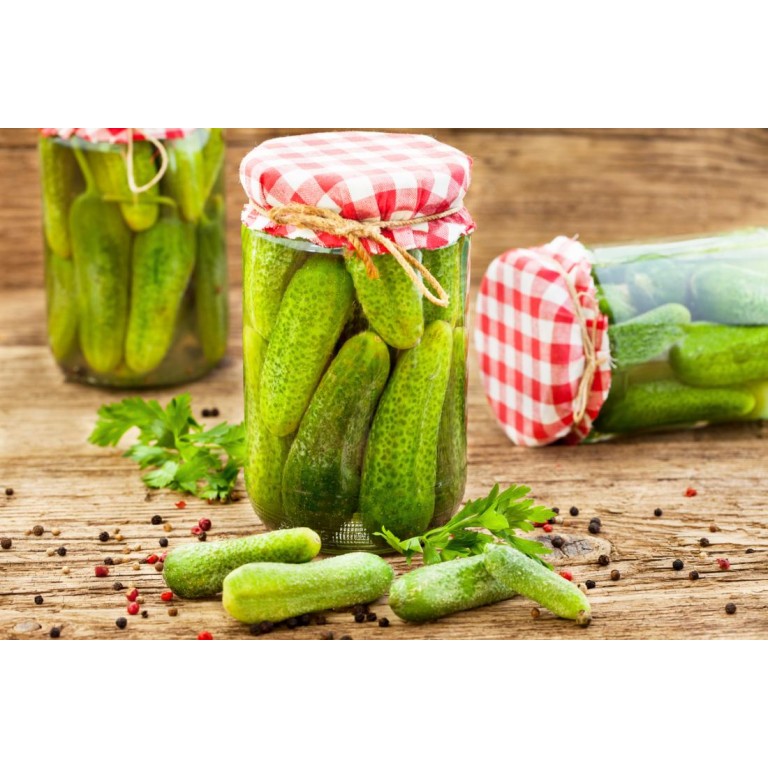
[(354, 232), (162, 152)]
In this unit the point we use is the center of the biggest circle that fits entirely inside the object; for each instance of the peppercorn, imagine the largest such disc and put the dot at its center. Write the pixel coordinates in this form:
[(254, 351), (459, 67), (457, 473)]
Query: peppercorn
[(159, 567), (50, 552), (693, 575), (355, 609), (678, 565), (145, 614), (383, 621), (108, 561), (173, 611), (65, 570), (38, 599), (133, 608), (574, 511), (121, 622), (724, 563), (9, 491), (101, 571), (156, 520), (547, 528), (163, 542), (167, 527), (104, 536), (55, 632), (589, 584), (535, 613), (713, 528), (206, 412), (345, 637), (730, 608), (567, 575), (119, 537), (594, 527), (320, 619), (195, 530), (556, 510), (326, 636), (603, 560), (658, 512), (265, 627), (38, 530), (181, 504), (557, 542), (690, 492), (166, 597), (204, 523), (371, 617), (214, 412), (704, 541), (132, 595), (202, 536), (749, 551), (305, 620), (55, 532), (117, 586), (6, 543), (205, 636), (615, 575), (61, 551), (359, 618)]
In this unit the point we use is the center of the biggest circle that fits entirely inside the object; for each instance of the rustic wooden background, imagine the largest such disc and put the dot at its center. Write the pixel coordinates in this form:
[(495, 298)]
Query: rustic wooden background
[(528, 186)]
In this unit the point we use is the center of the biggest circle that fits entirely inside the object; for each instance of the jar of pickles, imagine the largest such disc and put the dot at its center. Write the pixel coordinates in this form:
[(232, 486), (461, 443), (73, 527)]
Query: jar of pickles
[(355, 253), (135, 258), (628, 338)]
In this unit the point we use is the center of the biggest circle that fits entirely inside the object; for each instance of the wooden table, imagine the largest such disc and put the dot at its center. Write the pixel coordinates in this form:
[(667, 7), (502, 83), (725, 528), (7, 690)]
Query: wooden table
[(528, 187)]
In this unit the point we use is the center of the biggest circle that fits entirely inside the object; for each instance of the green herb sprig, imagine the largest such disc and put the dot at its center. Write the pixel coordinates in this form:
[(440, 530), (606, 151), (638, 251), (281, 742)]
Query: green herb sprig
[(499, 513), (184, 455)]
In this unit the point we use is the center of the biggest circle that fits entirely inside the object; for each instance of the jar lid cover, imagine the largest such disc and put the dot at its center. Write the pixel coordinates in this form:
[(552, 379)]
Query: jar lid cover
[(542, 343), (117, 135), (362, 176)]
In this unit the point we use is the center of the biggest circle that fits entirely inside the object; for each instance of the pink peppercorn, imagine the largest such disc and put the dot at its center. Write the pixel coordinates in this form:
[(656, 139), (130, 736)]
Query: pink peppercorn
[(166, 596), (196, 530), (133, 608), (547, 528), (205, 636), (204, 523), (181, 504), (724, 563), (101, 571), (152, 559), (567, 575), (689, 492), (132, 595)]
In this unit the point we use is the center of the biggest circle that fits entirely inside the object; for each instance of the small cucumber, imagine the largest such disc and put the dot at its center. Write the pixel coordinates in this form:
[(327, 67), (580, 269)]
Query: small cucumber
[(163, 260), (111, 173), (721, 355), (731, 295), (276, 591), (321, 480), (316, 305), (61, 303), (214, 153), (615, 303), (58, 170), (451, 473), (654, 282), (185, 178), (210, 281), (759, 390), (400, 465), (446, 265), (198, 570), (265, 452), (428, 593), (523, 574), (268, 267), (391, 302), (667, 403)]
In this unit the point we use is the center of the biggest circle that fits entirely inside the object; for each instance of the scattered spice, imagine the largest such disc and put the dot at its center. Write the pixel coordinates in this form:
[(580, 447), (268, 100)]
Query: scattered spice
[(133, 608), (181, 504), (371, 617), (108, 561), (136, 567), (574, 511), (693, 575), (730, 608), (104, 536), (535, 613), (214, 412), (326, 635), (145, 614), (55, 532), (38, 530), (196, 530), (556, 510), (724, 563), (590, 584), (101, 571), (50, 552), (6, 543), (159, 566), (55, 632), (383, 621), (117, 586), (749, 551), (140, 600), (65, 570), (567, 575), (658, 512), (713, 528), (121, 622), (345, 637), (205, 636), (166, 596), (547, 528), (167, 527), (152, 559), (359, 618), (119, 537), (202, 536), (678, 565), (9, 491), (204, 523), (552, 520), (355, 609), (38, 599), (206, 412), (132, 595), (320, 619), (61, 551), (603, 560), (557, 542), (689, 492), (173, 611), (615, 575), (156, 520), (116, 530), (163, 542), (594, 527)]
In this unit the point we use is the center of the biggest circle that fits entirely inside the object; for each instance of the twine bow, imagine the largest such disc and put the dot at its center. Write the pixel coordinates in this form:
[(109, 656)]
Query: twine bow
[(162, 151), (354, 232)]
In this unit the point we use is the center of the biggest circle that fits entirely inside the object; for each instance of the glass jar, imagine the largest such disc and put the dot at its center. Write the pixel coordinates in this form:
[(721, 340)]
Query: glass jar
[(688, 331), (355, 391), (135, 257)]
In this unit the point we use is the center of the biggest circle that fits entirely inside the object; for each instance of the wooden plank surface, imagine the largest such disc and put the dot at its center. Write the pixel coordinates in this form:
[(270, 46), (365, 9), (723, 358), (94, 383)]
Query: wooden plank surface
[(528, 186)]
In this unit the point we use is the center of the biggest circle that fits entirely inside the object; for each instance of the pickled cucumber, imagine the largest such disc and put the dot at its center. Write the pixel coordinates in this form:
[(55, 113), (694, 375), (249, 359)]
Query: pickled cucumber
[(667, 403), (731, 295), (445, 264), (59, 171), (316, 305), (391, 302), (721, 355), (615, 303), (321, 480), (400, 464), (185, 178), (268, 267), (61, 303)]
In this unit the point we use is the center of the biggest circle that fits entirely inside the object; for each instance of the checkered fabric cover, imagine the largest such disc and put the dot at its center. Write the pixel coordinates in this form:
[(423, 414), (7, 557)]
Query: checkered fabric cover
[(117, 135), (530, 346), (363, 176)]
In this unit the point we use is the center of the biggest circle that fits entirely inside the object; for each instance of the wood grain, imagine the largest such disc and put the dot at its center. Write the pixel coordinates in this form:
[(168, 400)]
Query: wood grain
[(528, 186)]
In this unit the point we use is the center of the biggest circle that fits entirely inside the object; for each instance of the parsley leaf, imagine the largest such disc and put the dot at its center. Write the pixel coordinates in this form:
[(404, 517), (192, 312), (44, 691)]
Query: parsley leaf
[(181, 454), (500, 513)]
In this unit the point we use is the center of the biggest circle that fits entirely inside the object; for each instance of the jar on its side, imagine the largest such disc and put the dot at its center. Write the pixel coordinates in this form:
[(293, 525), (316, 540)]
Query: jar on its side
[(354, 397), (688, 331), (136, 282)]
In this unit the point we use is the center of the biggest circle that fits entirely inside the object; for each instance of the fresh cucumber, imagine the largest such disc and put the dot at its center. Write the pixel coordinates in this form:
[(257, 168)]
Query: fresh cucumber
[(198, 570), (276, 591), (428, 593)]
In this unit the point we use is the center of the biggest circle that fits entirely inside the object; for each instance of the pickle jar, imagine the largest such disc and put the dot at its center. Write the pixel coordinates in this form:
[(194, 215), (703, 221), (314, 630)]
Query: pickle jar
[(629, 338), (355, 255), (135, 257)]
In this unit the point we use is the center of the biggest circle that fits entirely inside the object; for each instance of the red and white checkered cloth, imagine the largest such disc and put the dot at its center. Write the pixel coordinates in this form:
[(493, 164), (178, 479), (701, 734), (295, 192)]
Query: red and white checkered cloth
[(529, 342), (117, 135), (363, 176)]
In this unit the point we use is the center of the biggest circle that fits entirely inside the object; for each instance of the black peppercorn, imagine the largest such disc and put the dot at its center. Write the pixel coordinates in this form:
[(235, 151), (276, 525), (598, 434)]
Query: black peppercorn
[(326, 636), (589, 584), (117, 586), (594, 527), (603, 560), (55, 632), (122, 622), (704, 541), (552, 520), (749, 551), (38, 530), (6, 543), (615, 575), (9, 491), (557, 542), (108, 561), (61, 551), (320, 619), (359, 618), (156, 520), (370, 617), (206, 413), (556, 510), (345, 637), (678, 565), (163, 542), (730, 608), (202, 536), (145, 614), (574, 511), (305, 620), (693, 575), (104, 536), (38, 599), (355, 609), (265, 627), (292, 623), (658, 512), (214, 412), (383, 621)]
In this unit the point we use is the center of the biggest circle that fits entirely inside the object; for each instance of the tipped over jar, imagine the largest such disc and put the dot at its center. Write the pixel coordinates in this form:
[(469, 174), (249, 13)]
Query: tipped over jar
[(135, 258), (355, 349)]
